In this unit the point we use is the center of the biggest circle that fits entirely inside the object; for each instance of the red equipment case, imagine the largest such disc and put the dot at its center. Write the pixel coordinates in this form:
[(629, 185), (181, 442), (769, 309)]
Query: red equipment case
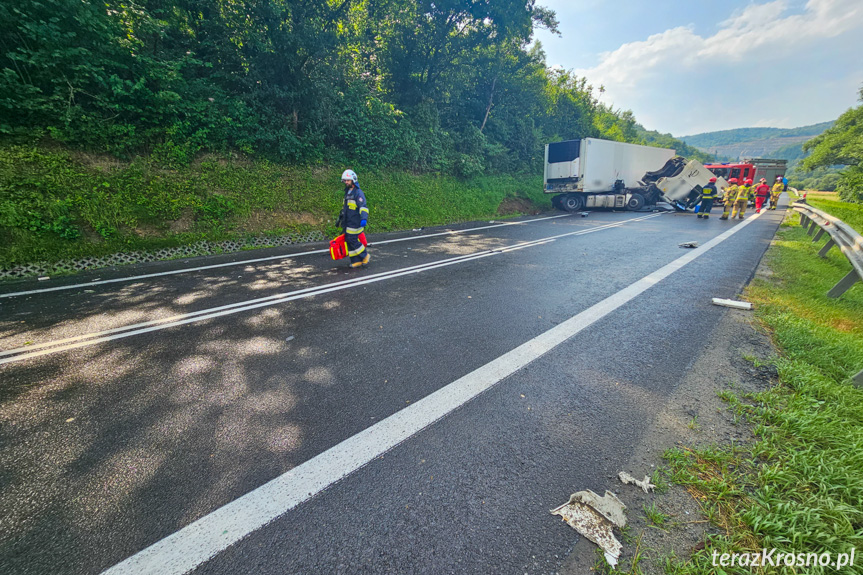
[(339, 248)]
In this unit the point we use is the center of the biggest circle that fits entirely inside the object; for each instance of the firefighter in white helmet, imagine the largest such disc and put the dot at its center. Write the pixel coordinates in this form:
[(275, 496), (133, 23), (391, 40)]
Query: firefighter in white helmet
[(353, 219)]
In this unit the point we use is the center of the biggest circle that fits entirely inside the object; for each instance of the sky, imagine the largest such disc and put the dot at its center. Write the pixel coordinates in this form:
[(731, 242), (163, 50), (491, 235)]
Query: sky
[(690, 67)]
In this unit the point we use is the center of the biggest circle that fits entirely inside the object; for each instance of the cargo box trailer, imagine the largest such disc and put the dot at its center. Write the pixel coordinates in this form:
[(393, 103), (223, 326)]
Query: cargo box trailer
[(591, 172)]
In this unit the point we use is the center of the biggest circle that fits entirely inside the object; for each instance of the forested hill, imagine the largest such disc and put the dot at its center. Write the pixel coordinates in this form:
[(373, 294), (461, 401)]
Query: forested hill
[(451, 86), (756, 142)]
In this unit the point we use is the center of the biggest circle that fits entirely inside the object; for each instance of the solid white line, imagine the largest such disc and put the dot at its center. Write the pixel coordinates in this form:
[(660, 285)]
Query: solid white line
[(270, 258), (85, 340), (200, 541)]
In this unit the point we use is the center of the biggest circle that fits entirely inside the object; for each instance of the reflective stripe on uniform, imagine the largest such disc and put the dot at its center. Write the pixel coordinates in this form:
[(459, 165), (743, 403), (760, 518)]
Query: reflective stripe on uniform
[(364, 209), (352, 204), (356, 231), (357, 252)]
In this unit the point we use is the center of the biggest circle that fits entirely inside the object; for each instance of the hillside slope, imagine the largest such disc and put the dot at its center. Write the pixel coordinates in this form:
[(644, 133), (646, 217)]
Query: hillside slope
[(756, 142)]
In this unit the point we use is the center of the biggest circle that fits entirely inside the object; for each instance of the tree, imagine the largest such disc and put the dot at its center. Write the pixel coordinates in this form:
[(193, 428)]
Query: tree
[(841, 145)]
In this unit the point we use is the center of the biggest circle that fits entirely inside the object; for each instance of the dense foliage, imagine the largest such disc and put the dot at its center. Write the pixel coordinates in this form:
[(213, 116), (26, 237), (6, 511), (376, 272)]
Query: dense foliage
[(841, 145), (451, 86)]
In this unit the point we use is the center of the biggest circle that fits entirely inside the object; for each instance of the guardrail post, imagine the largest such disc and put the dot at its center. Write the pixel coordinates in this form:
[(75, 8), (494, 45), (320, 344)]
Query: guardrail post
[(818, 235), (812, 227), (844, 284), (823, 252), (858, 379), (802, 218)]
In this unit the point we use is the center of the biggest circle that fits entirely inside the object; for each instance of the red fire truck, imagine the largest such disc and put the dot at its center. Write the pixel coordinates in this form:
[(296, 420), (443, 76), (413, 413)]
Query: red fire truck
[(729, 170)]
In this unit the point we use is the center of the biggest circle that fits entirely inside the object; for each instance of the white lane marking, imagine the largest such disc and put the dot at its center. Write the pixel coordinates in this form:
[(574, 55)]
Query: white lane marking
[(200, 541), (270, 258), (21, 353)]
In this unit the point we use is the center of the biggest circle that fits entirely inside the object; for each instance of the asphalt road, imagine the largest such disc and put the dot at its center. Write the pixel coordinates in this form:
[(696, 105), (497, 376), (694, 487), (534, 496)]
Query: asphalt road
[(112, 443)]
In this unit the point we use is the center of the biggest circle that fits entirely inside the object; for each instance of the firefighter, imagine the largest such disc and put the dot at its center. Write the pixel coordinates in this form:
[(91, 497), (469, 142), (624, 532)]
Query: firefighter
[(742, 199), (777, 190), (708, 194), (729, 198), (353, 219), (762, 192)]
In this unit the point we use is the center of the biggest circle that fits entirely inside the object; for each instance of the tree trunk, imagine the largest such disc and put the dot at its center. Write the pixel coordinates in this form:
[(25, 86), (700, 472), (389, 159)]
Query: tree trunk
[(488, 108)]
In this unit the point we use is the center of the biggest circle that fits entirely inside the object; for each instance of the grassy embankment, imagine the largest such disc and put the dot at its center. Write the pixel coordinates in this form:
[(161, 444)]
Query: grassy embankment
[(799, 487), (56, 204)]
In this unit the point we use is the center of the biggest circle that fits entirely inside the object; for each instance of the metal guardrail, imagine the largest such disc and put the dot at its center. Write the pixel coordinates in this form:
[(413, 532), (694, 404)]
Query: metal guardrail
[(841, 235)]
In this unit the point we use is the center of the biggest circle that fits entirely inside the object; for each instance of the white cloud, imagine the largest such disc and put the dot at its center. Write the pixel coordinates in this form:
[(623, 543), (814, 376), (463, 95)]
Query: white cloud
[(761, 46)]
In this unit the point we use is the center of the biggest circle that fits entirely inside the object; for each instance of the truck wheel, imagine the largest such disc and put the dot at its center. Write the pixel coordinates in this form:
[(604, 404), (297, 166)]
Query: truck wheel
[(635, 202), (572, 203), (555, 202)]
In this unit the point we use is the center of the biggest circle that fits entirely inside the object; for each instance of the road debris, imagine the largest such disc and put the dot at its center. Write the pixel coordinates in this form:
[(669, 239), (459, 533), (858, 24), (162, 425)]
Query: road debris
[(43, 278), (645, 483), (689, 245), (595, 517), (583, 214), (732, 303), (289, 338)]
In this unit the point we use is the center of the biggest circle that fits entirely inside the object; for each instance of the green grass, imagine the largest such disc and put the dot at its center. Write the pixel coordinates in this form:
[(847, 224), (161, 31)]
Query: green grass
[(799, 487), (57, 204), (655, 516), (851, 214)]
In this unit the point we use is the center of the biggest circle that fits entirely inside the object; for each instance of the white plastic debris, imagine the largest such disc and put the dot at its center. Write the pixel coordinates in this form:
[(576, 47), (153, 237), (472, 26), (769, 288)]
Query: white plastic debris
[(43, 278), (595, 517), (732, 303), (689, 245), (645, 483), (583, 214)]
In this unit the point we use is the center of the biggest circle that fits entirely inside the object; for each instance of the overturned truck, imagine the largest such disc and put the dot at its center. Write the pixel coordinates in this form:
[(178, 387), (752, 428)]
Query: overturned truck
[(593, 173)]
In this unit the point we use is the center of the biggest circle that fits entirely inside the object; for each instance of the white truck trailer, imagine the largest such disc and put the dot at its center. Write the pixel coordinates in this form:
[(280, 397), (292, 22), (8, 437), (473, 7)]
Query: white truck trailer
[(594, 173)]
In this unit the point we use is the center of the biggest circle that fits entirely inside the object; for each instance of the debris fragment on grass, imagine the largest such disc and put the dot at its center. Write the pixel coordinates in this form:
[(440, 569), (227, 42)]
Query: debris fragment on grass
[(595, 517), (645, 483), (732, 303)]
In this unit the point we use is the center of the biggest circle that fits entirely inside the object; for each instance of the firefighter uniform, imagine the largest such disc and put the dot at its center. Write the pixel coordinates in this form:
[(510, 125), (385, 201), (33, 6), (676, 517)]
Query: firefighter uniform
[(728, 200), (775, 193), (743, 193), (354, 217), (762, 192), (708, 195)]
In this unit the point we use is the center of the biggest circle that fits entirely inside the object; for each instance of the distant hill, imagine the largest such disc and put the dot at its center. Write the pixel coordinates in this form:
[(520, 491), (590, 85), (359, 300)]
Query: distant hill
[(756, 142)]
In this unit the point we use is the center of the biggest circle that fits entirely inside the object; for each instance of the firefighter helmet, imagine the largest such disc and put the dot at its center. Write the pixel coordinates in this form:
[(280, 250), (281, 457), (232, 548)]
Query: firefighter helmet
[(732, 181), (349, 175), (748, 181), (713, 179)]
